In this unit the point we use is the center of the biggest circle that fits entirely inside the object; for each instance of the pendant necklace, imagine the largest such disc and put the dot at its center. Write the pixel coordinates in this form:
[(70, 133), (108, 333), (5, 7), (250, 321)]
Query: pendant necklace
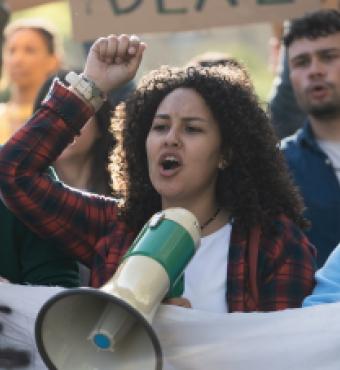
[(211, 219)]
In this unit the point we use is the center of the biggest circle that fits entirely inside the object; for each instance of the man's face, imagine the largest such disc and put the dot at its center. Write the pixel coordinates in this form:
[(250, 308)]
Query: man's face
[(315, 75)]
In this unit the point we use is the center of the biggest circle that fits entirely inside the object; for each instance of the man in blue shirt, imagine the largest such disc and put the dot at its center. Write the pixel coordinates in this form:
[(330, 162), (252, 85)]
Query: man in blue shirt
[(313, 153)]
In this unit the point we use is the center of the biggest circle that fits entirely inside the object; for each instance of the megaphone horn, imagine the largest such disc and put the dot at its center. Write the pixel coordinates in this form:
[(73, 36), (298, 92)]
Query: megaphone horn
[(110, 327)]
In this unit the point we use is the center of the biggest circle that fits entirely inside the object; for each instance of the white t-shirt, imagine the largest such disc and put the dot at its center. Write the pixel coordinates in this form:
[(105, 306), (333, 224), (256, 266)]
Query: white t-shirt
[(332, 149), (205, 278)]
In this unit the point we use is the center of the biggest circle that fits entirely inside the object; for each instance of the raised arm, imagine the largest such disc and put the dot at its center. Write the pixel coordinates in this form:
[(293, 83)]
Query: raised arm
[(74, 219)]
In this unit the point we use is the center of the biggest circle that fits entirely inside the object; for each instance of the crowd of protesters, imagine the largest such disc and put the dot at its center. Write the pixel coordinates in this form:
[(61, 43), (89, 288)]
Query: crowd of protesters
[(81, 177)]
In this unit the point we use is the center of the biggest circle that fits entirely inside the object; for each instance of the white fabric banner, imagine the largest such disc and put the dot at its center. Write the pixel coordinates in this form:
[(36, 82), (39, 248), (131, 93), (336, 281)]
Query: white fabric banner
[(295, 339)]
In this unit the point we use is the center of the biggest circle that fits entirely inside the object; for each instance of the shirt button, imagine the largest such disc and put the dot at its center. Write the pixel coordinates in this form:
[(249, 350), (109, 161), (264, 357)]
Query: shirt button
[(328, 162)]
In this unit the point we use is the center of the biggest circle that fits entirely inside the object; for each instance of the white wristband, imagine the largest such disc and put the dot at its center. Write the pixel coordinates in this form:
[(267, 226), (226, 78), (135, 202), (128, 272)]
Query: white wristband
[(86, 88)]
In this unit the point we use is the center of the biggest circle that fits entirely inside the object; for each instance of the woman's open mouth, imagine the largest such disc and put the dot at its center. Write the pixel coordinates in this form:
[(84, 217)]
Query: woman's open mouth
[(170, 165)]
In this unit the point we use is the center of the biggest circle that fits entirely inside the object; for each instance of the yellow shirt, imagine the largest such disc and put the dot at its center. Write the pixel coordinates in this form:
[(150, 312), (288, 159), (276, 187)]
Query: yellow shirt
[(12, 117)]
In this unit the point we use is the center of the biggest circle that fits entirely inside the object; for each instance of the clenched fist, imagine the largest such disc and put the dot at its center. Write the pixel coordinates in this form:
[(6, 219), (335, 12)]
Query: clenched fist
[(114, 60)]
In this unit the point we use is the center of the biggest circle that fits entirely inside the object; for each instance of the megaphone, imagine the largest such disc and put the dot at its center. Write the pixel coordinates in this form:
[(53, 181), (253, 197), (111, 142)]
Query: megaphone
[(111, 327)]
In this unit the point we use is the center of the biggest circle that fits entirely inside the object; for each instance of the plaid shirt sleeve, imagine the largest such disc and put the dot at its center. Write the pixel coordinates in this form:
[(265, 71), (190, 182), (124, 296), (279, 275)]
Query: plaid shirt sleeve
[(286, 268), (51, 209)]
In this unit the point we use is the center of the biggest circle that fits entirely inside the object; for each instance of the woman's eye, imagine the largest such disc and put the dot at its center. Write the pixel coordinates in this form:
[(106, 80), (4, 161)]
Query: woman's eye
[(30, 50), (193, 129), (10, 51), (158, 127)]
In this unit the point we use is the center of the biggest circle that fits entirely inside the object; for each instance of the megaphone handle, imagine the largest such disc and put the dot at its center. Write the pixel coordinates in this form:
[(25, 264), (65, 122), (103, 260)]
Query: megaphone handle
[(177, 289)]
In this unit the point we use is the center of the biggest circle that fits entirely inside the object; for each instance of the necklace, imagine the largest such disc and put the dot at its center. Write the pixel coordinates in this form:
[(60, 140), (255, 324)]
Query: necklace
[(211, 219)]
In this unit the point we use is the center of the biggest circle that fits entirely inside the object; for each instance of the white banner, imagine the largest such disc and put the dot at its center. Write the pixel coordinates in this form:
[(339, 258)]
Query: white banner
[(298, 339)]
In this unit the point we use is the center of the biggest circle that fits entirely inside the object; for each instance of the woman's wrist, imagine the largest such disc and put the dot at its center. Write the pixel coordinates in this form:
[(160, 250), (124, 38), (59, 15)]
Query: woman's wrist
[(86, 89), (75, 92)]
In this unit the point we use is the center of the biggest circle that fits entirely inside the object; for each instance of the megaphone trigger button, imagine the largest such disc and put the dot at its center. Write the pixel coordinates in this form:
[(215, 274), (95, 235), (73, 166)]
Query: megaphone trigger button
[(156, 219)]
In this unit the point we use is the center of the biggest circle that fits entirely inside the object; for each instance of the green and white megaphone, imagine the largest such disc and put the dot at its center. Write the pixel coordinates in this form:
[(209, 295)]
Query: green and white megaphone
[(110, 327)]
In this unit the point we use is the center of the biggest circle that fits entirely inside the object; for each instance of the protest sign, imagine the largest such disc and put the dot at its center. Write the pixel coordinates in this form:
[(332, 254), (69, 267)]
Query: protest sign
[(24, 4), (94, 18)]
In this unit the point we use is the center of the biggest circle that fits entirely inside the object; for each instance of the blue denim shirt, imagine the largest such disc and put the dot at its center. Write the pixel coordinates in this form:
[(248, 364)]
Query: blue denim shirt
[(313, 173), (327, 288)]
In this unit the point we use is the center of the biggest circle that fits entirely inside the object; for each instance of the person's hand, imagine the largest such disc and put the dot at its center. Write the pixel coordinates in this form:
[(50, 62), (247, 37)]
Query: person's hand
[(113, 61), (178, 301)]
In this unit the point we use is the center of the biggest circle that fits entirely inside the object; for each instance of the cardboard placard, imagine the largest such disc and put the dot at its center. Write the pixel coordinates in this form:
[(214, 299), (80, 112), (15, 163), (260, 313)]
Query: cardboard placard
[(94, 18), (15, 5)]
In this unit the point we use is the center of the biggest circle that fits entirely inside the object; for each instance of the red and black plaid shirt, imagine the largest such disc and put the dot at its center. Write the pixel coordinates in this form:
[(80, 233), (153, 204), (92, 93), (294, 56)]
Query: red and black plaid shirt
[(87, 225)]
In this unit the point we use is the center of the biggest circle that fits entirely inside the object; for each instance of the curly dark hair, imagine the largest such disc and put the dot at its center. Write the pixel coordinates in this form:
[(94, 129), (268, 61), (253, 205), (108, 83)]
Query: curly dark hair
[(321, 23), (254, 188), (212, 59)]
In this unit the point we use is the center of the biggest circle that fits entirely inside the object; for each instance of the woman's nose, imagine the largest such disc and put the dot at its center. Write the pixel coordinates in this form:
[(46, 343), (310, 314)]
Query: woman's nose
[(173, 137)]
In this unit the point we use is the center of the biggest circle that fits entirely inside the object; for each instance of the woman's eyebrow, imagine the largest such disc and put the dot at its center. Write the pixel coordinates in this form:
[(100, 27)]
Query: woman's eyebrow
[(199, 119), (187, 118), (162, 115)]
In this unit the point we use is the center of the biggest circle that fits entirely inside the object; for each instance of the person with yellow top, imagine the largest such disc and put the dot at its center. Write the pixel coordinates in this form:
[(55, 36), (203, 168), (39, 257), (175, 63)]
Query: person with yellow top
[(30, 55)]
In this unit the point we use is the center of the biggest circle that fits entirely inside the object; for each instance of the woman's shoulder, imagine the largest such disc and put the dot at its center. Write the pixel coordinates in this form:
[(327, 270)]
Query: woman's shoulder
[(288, 251), (286, 239)]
